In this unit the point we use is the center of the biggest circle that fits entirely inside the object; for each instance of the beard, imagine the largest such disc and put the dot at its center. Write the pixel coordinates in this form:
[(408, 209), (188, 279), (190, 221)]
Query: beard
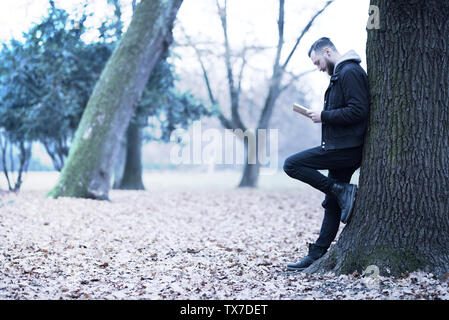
[(330, 67)]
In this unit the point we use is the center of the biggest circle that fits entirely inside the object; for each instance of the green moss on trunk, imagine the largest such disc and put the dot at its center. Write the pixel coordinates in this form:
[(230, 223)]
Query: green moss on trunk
[(391, 261), (88, 168)]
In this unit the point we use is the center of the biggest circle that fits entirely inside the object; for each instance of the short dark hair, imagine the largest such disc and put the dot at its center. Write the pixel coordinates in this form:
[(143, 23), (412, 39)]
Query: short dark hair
[(320, 44)]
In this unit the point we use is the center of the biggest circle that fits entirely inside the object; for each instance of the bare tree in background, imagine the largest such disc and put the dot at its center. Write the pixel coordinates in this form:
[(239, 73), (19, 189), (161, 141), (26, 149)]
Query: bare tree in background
[(234, 81)]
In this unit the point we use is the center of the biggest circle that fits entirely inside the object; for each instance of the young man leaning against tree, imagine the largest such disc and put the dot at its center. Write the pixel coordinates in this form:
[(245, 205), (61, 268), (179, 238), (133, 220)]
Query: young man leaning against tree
[(343, 125)]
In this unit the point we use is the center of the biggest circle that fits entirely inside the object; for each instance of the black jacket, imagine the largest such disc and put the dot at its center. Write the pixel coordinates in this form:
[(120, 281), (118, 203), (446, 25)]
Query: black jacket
[(346, 105)]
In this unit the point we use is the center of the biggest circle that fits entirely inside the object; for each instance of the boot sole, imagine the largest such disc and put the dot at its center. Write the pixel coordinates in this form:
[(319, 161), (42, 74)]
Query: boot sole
[(295, 269), (353, 194)]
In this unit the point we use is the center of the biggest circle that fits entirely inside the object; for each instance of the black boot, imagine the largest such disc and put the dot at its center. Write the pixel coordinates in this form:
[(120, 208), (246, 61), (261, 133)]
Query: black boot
[(345, 194), (315, 253)]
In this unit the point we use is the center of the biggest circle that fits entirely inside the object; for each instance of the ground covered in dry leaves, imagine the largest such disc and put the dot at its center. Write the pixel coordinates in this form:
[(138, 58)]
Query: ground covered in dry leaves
[(173, 244)]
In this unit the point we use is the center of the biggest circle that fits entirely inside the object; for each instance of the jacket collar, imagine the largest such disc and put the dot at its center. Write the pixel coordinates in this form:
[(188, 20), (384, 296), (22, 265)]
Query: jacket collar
[(350, 56)]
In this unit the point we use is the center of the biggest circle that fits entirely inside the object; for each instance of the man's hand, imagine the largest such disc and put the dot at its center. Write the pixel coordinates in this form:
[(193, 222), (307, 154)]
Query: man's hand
[(315, 115)]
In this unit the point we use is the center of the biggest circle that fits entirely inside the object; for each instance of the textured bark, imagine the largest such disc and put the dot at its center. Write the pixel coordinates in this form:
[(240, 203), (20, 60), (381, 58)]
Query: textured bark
[(87, 172), (132, 174), (401, 221)]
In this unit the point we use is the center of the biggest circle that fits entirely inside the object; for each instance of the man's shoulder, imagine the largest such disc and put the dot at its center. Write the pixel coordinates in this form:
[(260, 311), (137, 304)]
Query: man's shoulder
[(352, 68)]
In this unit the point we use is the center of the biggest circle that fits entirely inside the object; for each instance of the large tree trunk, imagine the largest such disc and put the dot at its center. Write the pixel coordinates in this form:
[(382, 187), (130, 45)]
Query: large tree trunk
[(87, 172), (132, 174), (401, 221)]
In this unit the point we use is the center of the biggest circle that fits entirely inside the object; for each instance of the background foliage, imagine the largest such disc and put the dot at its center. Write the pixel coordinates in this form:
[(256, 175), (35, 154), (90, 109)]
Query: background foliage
[(46, 81)]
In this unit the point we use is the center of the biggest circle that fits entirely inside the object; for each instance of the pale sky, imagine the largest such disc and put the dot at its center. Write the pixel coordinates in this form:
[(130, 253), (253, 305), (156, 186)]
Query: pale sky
[(344, 21), (255, 21), (250, 21)]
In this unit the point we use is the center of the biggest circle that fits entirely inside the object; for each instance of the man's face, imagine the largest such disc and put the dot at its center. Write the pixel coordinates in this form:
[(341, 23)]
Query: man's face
[(322, 62)]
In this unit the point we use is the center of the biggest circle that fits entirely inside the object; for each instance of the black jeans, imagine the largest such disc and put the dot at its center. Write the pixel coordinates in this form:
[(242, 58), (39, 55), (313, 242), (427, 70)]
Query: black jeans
[(341, 164)]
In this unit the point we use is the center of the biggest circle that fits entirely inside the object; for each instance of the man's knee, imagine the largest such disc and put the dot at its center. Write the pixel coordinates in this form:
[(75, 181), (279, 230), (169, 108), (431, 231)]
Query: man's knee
[(287, 165), (291, 166)]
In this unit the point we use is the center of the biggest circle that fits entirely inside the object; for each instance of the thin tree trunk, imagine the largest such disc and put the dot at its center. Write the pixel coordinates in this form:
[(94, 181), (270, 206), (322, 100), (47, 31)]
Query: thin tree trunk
[(132, 175), (57, 151), (250, 175), (251, 167), (4, 148), (401, 221), (24, 157), (119, 163), (87, 172), (24, 160)]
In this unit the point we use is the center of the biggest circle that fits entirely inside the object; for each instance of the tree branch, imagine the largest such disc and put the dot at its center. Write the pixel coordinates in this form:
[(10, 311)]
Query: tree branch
[(273, 91), (278, 72), (234, 94), (224, 121), (295, 78), (281, 36), (304, 31)]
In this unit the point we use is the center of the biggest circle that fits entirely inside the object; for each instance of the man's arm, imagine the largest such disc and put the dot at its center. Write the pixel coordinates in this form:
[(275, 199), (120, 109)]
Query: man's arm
[(356, 93)]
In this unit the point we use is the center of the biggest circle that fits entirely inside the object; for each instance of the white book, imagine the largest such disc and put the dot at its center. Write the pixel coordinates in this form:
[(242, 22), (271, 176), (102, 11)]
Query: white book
[(301, 109)]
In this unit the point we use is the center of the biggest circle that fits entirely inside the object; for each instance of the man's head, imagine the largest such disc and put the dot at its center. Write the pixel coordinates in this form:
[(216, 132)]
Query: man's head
[(324, 55)]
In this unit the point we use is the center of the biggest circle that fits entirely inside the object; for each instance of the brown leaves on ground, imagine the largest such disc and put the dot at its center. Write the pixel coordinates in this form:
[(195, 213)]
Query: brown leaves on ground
[(171, 244)]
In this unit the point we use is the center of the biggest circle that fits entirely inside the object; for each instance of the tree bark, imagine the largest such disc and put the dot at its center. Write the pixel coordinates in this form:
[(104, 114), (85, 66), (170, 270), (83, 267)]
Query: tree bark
[(400, 221), (87, 172), (132, 175)]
